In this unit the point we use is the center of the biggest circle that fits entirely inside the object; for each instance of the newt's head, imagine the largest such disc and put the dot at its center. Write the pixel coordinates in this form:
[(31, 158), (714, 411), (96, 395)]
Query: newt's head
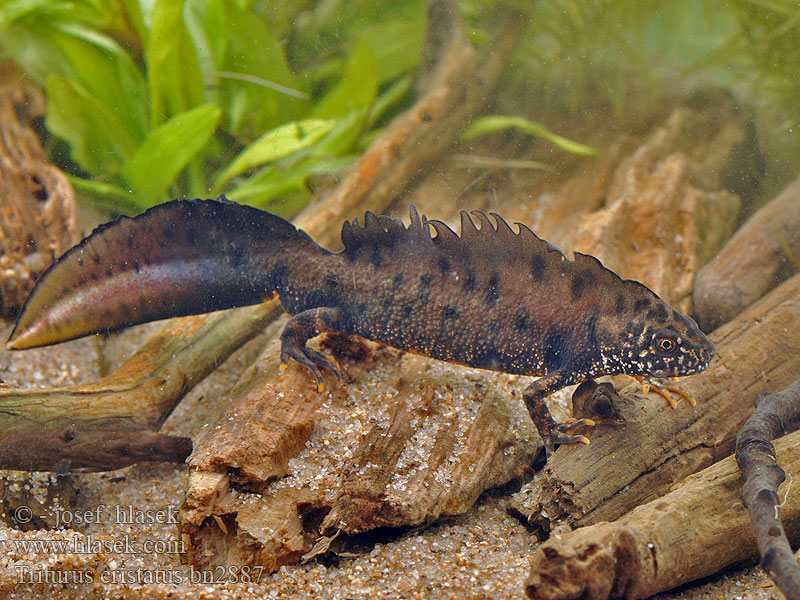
[(654, 339)]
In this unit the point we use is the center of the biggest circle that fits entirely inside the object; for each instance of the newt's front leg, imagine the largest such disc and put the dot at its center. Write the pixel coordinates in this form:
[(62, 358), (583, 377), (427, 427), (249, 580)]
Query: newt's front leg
[(304, 326), (551, 431)]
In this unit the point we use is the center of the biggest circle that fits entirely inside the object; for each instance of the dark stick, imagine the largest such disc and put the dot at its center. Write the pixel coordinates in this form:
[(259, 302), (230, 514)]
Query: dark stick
[(774, 413)]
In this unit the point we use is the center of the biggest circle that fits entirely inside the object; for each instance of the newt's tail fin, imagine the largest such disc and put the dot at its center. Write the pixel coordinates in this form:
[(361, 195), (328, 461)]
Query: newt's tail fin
[(184, 257)]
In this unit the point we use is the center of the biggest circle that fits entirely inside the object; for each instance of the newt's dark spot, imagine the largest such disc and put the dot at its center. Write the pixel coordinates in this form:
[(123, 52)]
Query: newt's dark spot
[(131, 242), (444, 265), (236, 257), (469, 281), (487, 357), (279, 277), (407, 311), (493, 290), (387, 302), (555, 351), (376, 256), (491, 329), (424, 290), (397, 282), (80, 261), (316, 298), (641, 304), (578, 285), (191, 236), (591, 326), (634, 329), (359, 310), (659, 313), (331, 282), (109, 272), (449, 313), (537, 267), (425, 117), (352, 247), (521, 321), (620, 304)]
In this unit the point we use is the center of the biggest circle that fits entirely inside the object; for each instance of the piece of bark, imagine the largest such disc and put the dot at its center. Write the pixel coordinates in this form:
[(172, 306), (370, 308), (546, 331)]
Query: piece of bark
[(658, 225), (667, 179), (400, 451), (627, 465), (242, 451), (762, 475), (681, 537), (37, 222), (113, 422), (764, 252)]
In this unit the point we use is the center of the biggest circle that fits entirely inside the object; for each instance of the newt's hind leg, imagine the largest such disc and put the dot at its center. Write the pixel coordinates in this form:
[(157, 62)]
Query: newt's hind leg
[(551, 431), (301, 328)]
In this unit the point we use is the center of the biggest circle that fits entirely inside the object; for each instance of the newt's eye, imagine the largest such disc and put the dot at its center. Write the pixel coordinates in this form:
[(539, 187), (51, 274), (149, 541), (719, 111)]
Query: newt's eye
[(665, 342)]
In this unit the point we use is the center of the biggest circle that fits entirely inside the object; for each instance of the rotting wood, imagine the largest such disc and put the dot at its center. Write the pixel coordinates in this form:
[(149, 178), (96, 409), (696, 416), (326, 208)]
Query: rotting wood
[(763, 253), (37, 222), (113, 422), (762, 474), (402, 451), (681, 537), (628, 465)]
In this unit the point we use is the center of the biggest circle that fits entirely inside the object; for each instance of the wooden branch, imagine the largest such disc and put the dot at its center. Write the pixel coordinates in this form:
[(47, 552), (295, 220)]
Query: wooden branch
[(112, 422), (681, 537), (762, 254), (628, 465), (762, 476)]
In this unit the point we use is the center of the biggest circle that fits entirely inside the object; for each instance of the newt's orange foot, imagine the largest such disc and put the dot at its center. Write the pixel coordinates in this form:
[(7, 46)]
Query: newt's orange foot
[(665, 388)]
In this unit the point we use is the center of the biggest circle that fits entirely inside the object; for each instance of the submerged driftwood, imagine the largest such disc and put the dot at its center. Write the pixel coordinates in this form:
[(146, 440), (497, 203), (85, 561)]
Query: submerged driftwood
[(680, 537), (762, 254)]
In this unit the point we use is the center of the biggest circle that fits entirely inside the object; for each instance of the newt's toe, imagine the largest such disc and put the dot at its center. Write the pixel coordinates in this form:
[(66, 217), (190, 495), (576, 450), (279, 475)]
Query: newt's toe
[(666, 389)]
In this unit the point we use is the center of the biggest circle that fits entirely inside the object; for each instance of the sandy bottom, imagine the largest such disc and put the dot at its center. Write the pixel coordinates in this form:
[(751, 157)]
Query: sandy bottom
[(122, 542)]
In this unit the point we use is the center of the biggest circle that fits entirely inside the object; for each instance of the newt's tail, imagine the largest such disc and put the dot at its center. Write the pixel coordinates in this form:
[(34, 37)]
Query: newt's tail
[(184, 257)]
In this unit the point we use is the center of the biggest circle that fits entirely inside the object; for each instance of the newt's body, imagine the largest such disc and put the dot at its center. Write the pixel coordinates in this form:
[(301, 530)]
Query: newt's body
[(490, 298)]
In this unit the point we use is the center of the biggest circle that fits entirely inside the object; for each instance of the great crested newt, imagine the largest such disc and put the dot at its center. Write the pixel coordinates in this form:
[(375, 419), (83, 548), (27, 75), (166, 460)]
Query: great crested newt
[(491, 298)]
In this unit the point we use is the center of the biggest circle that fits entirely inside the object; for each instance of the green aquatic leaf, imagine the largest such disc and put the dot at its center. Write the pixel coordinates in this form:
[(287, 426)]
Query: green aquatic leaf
[(275, 144), (276, 182), (98, 140), (251, 73), (495, 124), (167, 150), (173, 67), (91, 60), (105, 195), (357, 87)]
